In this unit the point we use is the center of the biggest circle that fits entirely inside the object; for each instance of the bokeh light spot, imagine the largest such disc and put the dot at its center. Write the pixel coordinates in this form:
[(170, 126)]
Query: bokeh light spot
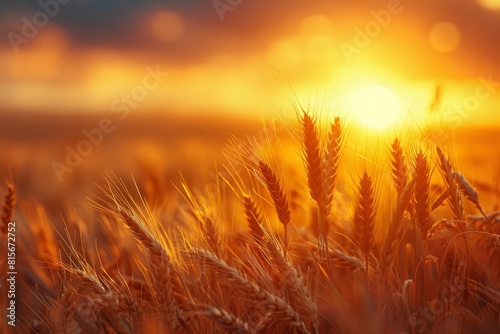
[(167, 26), (444, 37)]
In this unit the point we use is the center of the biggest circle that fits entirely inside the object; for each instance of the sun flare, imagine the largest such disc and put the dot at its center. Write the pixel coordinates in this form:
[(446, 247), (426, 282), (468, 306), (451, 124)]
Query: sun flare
[(376, 107)]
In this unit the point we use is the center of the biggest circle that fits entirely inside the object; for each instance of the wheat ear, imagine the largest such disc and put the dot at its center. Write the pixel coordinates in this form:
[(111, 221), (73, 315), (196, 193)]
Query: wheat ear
[(321, 175), (396, 228), (364, 219), (64, 309), (211, 234), (271, 302), (422, 183), (331, 165), (332, 160), (456, 226), (472, 195), (254, 218), (226, 320), (399, 171), (293, 282), (447, 171), (278, 195), (440, 199), (161, 267), (314, 160), (315, 178)]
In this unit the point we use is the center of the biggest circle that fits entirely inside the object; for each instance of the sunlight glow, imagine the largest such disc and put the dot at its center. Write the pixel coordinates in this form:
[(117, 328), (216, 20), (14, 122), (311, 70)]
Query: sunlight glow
[(490, 4), (376, 107), (285, 51)]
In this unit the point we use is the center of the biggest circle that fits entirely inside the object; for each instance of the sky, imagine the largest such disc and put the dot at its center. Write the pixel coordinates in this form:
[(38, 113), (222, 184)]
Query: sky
[(241, 57)]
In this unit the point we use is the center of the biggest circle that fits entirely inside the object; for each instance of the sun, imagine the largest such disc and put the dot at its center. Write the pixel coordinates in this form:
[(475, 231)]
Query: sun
[(376, 107)]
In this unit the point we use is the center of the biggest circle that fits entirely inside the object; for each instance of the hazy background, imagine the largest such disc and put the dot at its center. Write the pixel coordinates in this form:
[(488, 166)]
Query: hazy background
[(233, 59)]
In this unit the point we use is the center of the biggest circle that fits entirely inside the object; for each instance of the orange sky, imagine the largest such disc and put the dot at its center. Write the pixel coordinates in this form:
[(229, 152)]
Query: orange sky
[(250, 57)]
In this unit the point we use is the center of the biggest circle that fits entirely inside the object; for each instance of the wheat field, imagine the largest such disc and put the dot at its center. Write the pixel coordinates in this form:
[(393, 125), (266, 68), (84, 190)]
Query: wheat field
[(231, 166), (302, 230)]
